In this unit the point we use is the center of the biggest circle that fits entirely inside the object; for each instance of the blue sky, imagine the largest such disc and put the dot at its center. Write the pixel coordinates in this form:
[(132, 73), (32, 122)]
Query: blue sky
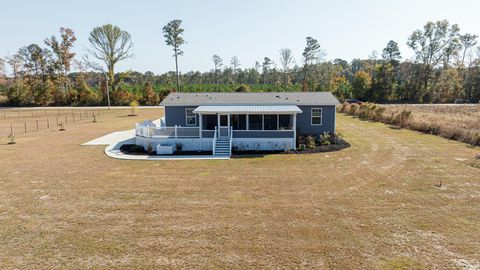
[(250, 29)]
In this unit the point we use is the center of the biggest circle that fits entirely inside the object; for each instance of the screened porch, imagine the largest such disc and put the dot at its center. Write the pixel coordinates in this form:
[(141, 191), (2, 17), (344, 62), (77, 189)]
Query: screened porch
[(248, 121)]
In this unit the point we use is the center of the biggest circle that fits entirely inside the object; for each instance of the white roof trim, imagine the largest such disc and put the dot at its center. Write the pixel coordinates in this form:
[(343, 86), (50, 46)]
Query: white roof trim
[(273, 109)]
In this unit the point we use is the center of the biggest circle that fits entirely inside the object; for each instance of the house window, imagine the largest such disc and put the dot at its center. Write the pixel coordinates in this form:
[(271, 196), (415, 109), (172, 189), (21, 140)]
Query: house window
[(270, 122), (191, 118), (255, 122), (209, 121), (316, 117), (238, 121), (285, 122)]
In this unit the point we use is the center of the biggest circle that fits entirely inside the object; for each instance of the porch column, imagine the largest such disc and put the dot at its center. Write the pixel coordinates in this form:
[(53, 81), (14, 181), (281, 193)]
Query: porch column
[(295, 131), (200, 126), (228, 124)]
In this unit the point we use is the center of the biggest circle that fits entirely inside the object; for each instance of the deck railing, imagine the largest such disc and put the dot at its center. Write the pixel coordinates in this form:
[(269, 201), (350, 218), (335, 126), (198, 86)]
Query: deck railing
[(214, 141), (167, 132)]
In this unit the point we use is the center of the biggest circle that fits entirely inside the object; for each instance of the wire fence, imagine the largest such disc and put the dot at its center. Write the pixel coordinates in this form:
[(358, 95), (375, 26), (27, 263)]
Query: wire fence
[(24, 122)]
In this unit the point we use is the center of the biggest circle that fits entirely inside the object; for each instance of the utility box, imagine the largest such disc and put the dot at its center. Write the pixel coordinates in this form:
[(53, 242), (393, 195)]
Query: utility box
[(164, 149)]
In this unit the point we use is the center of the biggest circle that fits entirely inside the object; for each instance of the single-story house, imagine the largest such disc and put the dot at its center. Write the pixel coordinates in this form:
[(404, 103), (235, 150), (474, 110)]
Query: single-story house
[(218, 122)]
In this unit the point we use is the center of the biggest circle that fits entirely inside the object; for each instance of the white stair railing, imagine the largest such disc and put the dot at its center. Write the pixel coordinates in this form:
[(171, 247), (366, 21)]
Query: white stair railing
[(231, 138), (214, 140)]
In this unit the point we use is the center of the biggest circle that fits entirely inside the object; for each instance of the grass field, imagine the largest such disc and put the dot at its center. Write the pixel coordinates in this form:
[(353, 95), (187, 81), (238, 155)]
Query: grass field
[(459, 122), (374, 205)]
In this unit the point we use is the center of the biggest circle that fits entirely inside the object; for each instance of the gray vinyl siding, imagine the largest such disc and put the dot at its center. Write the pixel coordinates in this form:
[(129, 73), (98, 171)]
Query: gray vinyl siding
[(304, 126), (175, 115)]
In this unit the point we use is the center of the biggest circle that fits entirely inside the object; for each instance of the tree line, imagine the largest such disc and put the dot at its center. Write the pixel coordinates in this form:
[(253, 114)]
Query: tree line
[(445, 69)]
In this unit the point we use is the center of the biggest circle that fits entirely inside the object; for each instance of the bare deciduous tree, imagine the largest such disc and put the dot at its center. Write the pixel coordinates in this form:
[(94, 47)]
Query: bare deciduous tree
[(468, 41), (110, 44)]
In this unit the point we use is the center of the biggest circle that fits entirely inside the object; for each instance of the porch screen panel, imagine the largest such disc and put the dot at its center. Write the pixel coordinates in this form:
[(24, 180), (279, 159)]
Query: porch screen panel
[(238, 121), (270, 122), (255, 122), (285, 122), (209, 121)]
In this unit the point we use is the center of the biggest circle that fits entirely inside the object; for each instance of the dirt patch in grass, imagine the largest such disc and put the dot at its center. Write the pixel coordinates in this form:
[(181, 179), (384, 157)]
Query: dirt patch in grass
[(373, 205)]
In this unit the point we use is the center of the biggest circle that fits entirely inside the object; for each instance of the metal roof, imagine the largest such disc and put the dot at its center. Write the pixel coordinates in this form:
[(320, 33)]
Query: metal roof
[(248, 109), (257, 98)]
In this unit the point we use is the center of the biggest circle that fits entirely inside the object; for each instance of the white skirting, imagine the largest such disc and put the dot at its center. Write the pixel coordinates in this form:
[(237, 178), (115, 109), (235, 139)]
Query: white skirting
[(206, 144), (263, 144)]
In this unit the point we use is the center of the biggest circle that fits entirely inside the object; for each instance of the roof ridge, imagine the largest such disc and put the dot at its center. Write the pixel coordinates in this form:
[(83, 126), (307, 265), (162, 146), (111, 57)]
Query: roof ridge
[(249, 98)]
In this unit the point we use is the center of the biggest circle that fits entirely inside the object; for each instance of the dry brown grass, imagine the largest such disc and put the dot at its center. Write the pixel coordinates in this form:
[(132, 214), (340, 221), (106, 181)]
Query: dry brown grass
[(456, 122), (25, 120), (371, 206)]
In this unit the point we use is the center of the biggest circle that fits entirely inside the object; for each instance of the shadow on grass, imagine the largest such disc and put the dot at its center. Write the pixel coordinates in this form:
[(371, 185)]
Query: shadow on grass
[(472, 146), (7, 144), (363, 119), (127, 115)]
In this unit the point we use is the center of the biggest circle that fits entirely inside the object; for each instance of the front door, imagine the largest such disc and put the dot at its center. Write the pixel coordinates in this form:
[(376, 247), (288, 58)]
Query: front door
[(223, 125)]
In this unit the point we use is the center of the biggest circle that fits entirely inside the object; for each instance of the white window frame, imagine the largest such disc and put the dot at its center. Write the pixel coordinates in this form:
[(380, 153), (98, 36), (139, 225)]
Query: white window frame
[(187, 116), (311, 116)]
